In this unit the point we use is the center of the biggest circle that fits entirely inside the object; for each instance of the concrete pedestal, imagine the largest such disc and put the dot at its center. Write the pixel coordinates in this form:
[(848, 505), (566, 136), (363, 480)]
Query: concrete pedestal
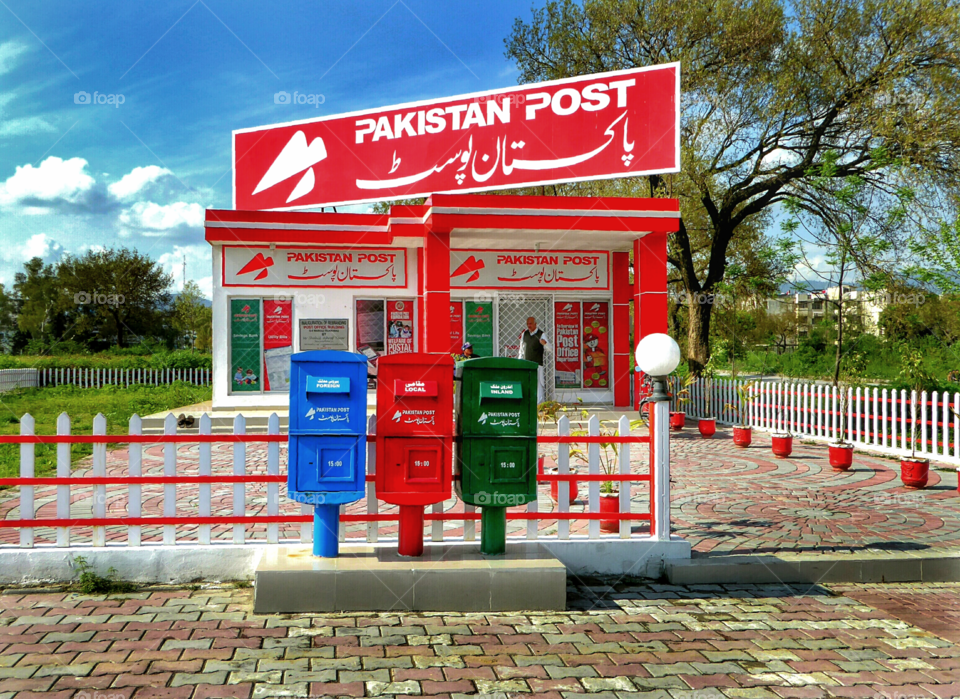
[(290, 579)]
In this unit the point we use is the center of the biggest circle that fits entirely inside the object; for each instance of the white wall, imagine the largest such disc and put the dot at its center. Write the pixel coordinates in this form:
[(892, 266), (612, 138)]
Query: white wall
[(307, 303)]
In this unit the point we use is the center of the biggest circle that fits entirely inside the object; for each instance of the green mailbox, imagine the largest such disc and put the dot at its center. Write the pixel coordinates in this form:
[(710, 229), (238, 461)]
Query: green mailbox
[(496, 464)]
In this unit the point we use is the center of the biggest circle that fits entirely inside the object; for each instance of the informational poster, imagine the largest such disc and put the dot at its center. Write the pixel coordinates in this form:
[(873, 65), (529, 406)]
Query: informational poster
[(456, 325), (479, 327), (245, 344), (371, 340), (400, 325), (596, 344), (277, 343), (566, 323), (324, 334)]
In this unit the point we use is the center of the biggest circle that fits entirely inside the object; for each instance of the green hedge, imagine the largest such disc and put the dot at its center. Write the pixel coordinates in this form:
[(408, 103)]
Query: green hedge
[(180, 359)]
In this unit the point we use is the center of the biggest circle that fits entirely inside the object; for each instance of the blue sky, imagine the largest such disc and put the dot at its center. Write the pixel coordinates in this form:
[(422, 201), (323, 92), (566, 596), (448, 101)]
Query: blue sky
[(137, 162)]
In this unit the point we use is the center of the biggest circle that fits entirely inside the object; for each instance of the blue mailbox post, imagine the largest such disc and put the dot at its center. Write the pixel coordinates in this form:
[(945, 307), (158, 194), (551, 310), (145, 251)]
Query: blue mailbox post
[(327, 438)]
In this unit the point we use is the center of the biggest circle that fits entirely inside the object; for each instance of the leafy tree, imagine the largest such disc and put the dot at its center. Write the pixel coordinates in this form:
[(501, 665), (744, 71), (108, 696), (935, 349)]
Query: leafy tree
[(40, 299), (192, 317), (938, 257), (855, 226), (115, 293), (8, 319), (769, 88)]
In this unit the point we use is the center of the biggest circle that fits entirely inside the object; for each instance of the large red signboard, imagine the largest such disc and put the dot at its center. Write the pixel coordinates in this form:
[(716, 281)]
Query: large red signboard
[(617, 124)]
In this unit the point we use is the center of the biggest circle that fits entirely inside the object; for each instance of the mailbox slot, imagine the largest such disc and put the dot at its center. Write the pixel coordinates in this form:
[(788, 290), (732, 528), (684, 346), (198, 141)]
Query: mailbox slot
[(325, 463), (414, 465)]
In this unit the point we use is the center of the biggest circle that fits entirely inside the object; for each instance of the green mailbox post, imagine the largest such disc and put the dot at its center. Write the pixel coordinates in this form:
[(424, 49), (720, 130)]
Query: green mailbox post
[(496, 464)]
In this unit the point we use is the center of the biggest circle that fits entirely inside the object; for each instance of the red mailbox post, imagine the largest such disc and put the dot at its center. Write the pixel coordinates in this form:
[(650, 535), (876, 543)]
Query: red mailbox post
[(414, 438)]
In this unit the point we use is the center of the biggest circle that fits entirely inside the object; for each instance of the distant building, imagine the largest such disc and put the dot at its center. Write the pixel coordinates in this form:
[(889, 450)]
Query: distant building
[(861, 310)]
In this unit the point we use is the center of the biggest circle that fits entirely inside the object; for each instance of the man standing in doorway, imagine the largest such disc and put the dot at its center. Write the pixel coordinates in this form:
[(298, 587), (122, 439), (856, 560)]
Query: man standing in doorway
[(533, 344)]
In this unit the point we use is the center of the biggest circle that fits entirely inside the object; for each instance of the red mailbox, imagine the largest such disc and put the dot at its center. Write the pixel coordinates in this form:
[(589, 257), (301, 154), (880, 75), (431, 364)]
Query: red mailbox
[(414, 438)]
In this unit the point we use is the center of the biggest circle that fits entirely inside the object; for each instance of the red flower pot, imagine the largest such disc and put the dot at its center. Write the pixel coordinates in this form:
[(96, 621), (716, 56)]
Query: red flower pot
[(782, 445), (677, 421), (742, 436), (555, 489), (914, 472), (610, 505), (707, 426), (841, 456)]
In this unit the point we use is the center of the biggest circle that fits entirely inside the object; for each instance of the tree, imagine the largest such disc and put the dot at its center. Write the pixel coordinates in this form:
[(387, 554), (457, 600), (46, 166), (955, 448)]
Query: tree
[(40, 300), (938, 257), (8, 319), (856, 228), (192, 317), (114, 292), (769, 87)]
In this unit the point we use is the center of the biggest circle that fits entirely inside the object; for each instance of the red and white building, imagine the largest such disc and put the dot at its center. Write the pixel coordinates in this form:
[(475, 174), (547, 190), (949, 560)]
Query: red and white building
[(464, 266), (428, 278)]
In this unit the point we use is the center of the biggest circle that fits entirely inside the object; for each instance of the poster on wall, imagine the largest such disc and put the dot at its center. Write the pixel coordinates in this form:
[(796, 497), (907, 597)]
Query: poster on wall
[(566, 324), (400, 325), (370, 334), (456, 325), (324, 334), (479, 327), (245, 344), (277, 343), (596, 344)]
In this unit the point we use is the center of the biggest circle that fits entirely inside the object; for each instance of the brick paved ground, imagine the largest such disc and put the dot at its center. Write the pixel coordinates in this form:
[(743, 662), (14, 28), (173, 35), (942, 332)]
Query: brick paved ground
[(725, 499), (620, 640)]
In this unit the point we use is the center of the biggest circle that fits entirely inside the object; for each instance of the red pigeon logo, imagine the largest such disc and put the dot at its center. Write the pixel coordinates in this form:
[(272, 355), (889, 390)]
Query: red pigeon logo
[(259, 262), (471, 266)]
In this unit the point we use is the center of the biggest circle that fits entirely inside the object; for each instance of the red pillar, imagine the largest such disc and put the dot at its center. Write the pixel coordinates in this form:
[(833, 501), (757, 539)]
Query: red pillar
[(436, 292), (421, 305), (621, 329), (650, 291)]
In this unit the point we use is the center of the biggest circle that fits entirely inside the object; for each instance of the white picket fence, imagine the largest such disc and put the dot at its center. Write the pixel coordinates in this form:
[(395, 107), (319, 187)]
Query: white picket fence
[(877, 419), (87, 377), (188, 491)]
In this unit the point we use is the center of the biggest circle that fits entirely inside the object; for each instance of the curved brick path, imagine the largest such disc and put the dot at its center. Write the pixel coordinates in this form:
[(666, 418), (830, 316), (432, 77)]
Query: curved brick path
[(618, 641), (725, 499)]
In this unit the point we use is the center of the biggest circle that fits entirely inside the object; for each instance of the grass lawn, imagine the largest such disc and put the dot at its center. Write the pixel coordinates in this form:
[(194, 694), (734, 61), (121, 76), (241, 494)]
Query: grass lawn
[(118, 404)]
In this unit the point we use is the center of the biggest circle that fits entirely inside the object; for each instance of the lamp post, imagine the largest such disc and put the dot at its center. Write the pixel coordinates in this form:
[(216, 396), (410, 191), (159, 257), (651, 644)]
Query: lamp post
[(657, 356)]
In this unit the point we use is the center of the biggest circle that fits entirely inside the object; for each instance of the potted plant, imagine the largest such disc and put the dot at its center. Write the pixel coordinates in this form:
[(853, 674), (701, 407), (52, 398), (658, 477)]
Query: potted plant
[(609, 490), (841, 451), (678, 418), (708, 425), (914, 471), (781, 443), (742, 432), (549, 411)]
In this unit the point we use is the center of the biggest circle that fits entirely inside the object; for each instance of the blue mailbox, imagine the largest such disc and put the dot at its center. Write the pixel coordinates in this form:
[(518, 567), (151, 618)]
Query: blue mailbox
[(327, 438)]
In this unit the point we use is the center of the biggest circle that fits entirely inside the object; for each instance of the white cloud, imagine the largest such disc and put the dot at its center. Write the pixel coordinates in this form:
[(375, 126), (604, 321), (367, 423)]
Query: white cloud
[(153, 219), (10, 52), (25, 126), (54, 182), (136, 181), (38, 245), (197, 258)]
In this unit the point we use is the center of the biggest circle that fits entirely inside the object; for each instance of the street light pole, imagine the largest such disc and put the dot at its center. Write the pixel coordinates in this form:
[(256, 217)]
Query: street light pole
[(658, 355)]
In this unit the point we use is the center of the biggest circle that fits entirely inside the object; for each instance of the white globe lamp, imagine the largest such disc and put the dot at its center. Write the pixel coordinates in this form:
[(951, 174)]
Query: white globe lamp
[(658, 355)]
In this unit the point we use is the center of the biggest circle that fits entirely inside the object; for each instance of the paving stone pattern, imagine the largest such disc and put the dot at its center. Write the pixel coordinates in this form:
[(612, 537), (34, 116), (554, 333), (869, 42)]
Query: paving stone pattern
[(725, 499), (619, 640)]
